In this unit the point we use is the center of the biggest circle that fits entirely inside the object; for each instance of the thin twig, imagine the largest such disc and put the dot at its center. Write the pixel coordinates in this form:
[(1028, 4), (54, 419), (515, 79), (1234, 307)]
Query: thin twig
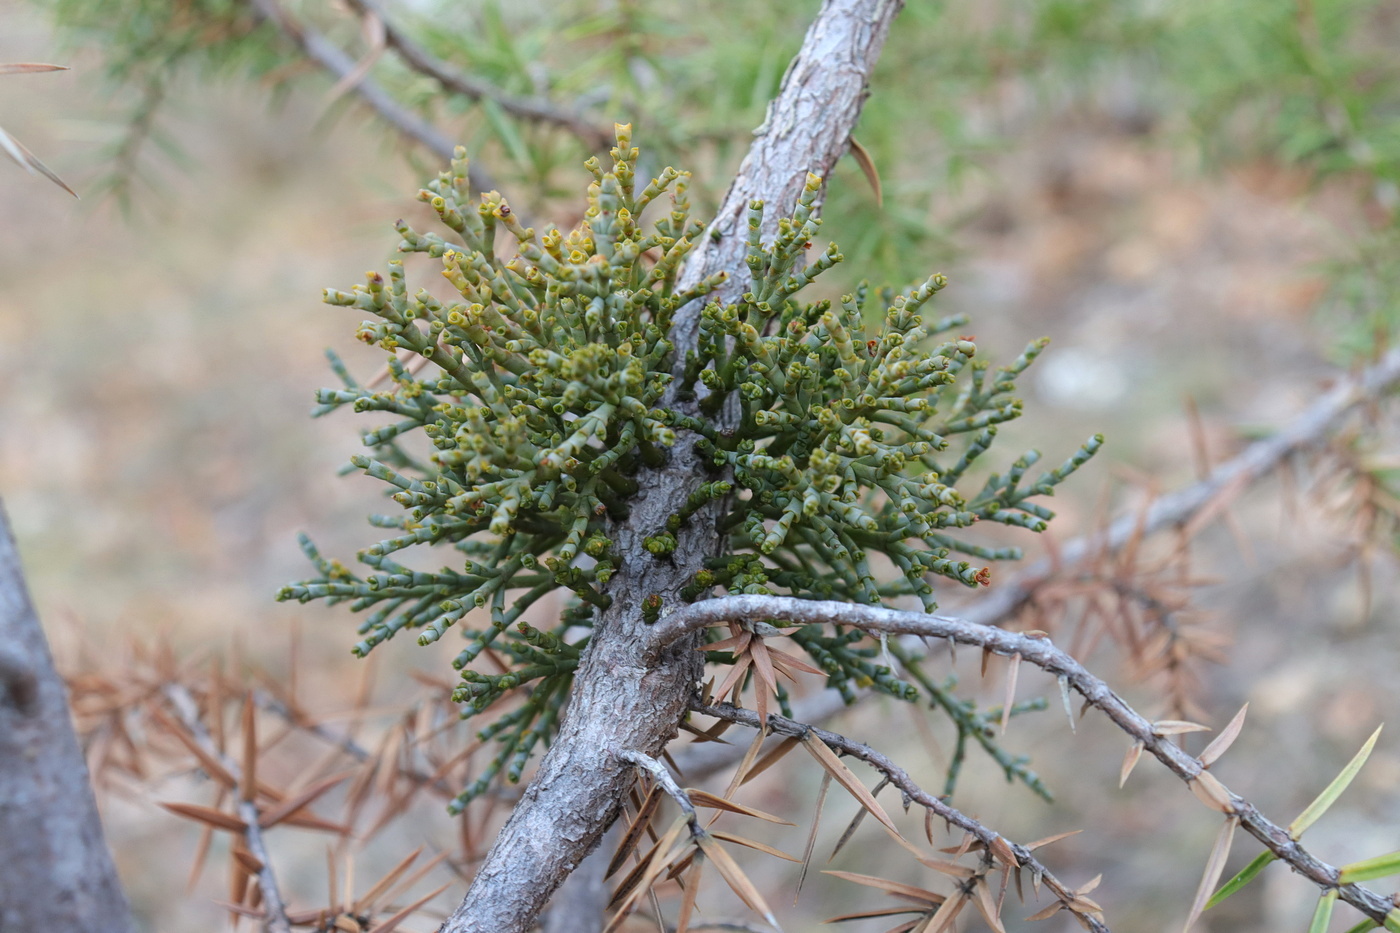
[(535, 109), (1177, 508), (668, 785), (1041, 652), (700, 760), (140, 127), (900, 778), (334, 60), (346, 743), (276, 920)]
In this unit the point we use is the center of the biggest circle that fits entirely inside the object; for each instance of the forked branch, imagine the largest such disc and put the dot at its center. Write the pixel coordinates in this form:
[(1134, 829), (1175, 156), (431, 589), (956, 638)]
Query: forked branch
[(333, 59), (594, 135), (1042, 653), (992, 841)]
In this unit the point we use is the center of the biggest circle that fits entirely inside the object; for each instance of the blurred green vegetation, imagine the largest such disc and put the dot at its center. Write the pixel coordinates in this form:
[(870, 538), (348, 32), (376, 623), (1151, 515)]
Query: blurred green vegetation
[(1307, 82)]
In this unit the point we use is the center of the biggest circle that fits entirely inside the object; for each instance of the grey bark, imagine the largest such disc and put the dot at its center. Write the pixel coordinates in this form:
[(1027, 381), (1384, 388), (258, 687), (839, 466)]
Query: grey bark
[(58, 875), (625, 697), (582, 900)]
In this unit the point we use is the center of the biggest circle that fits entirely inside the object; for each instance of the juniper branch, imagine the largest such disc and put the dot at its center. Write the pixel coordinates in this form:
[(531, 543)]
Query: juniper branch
[(990, 838), (275, 916), (1306, 430), (1042, 653), (1302, 432)]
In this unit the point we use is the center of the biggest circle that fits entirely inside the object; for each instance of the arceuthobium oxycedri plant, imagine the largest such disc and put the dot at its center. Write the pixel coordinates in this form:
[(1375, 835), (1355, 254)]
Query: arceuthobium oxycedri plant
[(548, 395)]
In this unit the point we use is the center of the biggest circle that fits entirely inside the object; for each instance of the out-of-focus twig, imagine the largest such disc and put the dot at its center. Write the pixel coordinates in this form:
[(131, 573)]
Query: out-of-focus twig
[(329, 56), (275, 917), (345, 742), (1199, 501), (535, 109)]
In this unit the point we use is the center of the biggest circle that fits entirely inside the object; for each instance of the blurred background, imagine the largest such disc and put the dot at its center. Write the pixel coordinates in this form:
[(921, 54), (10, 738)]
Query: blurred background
[(1195, 201)]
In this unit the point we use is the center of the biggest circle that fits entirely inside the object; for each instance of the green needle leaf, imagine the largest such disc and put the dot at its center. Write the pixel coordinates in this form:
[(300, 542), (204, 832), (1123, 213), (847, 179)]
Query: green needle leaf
[(1246, 875), (1323, 915), (506, 132), (1369, 869), (1334, 790)]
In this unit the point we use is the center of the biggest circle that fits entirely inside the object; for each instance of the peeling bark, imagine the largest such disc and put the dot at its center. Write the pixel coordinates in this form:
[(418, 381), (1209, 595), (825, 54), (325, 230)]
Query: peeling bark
[(626, 699), (58, 874)]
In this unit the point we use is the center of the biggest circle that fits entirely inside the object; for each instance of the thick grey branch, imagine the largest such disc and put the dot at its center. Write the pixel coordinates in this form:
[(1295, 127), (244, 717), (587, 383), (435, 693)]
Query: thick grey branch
[(535, 109), (58, 873), (1042, 653), (900, 778), (806, 129), (627, 698), (580, 904)]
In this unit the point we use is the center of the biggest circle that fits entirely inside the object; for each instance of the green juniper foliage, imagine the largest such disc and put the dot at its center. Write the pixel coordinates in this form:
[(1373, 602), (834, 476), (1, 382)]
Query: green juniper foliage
[(551, 388)]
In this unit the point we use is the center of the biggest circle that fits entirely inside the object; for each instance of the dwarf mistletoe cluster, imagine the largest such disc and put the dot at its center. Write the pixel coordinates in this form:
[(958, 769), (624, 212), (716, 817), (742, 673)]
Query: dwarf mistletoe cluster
[(551, 387)]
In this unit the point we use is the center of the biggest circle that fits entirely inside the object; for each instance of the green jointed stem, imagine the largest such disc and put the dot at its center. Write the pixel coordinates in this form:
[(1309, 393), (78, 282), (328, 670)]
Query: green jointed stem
[(540, 386)]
